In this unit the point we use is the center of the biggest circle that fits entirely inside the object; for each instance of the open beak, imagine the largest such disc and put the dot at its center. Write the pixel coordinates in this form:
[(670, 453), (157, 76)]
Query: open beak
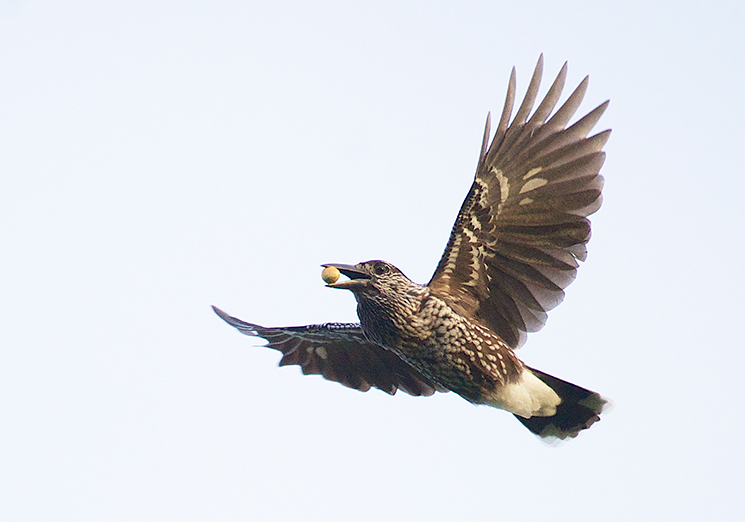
[(357, 278)]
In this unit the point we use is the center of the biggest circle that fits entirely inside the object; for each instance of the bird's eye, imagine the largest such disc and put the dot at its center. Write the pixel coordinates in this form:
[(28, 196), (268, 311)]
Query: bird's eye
[(380, 269)]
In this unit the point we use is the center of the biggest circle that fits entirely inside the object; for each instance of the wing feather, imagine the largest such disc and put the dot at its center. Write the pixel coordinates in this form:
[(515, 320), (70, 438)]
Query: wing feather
[(339, 352), (523, 226), (504, 120)]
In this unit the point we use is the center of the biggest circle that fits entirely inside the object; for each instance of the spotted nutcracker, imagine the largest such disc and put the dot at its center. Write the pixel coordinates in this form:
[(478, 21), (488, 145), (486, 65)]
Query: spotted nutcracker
[(513, 249)]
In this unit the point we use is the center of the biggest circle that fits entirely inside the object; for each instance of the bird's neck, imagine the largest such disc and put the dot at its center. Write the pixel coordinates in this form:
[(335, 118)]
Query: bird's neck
[(387, 319)]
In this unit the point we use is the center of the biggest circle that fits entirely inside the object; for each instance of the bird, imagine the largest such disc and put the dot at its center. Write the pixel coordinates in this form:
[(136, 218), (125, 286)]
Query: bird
[(514, 248)]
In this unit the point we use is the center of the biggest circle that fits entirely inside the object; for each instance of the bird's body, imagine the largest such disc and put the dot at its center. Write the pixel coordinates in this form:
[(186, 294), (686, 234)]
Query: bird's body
[(513, 248), (458, 355), (448, 349)]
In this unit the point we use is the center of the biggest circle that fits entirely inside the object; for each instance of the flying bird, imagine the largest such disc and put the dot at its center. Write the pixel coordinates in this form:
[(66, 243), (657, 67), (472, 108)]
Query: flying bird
[(514, 247)]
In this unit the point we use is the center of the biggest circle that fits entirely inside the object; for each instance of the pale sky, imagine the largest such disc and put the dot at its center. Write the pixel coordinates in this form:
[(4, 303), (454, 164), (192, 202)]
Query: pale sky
[(157, 158)]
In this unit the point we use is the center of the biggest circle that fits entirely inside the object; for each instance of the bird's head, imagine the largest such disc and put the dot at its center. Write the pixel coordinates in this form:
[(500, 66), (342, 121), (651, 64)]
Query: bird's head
[(387, 300), (376, 281)]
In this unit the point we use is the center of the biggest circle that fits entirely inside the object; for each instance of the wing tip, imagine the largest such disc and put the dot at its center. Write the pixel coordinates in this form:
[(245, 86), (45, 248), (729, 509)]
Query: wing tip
[(241, 326), (219, 312)]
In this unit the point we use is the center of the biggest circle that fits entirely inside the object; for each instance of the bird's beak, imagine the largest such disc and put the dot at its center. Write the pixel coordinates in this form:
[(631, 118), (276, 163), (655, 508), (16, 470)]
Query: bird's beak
[(357, 279)]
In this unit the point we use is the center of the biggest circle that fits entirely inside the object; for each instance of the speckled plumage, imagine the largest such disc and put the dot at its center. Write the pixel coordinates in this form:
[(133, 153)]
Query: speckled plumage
[(514, 247), (448, 349)]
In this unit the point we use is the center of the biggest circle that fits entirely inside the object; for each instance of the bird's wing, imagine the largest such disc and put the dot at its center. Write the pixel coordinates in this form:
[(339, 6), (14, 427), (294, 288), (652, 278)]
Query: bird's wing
[(339, 352), (523, 226)]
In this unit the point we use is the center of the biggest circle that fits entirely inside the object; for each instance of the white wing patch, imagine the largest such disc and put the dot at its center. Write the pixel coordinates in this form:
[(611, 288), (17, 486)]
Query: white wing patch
[(504, 186), (533, 184), (320, 351), (476, 253), (452, 256), (532, 172), (470, 234)]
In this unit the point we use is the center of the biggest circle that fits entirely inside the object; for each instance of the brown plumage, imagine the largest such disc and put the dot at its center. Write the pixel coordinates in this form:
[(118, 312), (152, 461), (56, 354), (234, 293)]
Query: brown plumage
[(514, 247)]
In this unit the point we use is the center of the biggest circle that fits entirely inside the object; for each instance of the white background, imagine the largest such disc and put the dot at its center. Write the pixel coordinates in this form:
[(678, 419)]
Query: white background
[(160, 157)]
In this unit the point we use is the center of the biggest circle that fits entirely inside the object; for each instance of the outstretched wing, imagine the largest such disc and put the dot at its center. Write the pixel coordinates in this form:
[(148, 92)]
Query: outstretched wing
[(523, 226), (339, 352)]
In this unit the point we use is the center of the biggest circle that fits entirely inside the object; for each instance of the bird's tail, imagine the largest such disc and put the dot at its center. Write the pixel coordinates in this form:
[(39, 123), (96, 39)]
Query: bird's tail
[(579, 409)]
